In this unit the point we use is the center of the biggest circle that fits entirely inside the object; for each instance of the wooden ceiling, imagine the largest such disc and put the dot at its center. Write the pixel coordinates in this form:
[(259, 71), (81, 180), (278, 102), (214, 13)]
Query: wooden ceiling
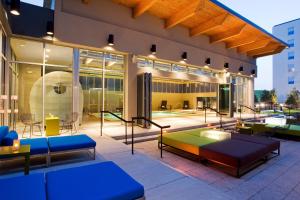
[(210, 18)]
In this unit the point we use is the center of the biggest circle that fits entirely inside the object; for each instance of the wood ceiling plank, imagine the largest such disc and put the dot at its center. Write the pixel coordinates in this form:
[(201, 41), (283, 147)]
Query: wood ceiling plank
[(268, 53), (142, 7), (85, 1), (240, 42), (209, 25), (227, 34), (253, 46), (184, 14), (269, 48)]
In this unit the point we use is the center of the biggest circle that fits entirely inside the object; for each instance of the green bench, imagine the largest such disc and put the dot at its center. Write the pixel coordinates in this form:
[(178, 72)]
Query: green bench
[(188, 140)]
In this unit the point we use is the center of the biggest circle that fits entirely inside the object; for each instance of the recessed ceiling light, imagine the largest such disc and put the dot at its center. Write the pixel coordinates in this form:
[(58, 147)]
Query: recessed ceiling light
[(47, 56), (48, 50), (22, 45)]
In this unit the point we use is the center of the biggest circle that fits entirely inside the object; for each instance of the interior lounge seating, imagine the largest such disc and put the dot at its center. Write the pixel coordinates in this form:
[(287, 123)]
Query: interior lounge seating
[(163, 105), (186, 105), (28, 120), (237, 153), (97, 181), (70, 122)]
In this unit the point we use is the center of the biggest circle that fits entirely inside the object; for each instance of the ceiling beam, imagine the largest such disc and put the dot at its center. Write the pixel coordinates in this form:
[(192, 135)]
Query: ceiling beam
[(227, 34), (209, 25), (253, 46), (184, 14), (240, 42), (269, 48), (142, 7)]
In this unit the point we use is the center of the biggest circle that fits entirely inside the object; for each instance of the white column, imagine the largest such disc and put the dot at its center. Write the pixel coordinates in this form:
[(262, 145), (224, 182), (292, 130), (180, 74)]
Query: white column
[(130, 87), (76, 92)]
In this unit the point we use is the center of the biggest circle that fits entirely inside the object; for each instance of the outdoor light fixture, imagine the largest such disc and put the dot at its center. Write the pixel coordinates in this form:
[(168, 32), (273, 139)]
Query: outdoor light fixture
[(153, 49), (110, 40), (207, 61), (15, 7), (184, 56), (241, 69), (50, 28), (226, 65), (253, 72)]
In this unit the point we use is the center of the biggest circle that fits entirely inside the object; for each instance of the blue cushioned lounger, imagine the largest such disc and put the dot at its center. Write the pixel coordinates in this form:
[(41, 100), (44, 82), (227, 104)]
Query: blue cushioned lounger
[(37, 145), (30, 187), (93, 182), (70, 143)]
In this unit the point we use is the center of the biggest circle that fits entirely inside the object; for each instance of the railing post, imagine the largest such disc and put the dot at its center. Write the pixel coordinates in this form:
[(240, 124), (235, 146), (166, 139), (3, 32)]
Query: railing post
[(126, 132), (161, 138), (101, 123), (205, 114), (240, 112), (132, 142)]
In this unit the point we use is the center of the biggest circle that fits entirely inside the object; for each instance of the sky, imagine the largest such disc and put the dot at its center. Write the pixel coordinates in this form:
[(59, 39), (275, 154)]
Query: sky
[(266, 14)]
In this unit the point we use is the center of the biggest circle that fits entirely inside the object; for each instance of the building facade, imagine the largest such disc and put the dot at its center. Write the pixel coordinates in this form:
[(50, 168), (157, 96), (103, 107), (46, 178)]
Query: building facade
[(286, 65), (98, 50)]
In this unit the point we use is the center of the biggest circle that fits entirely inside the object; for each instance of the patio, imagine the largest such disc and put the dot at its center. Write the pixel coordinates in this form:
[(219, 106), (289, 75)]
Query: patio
[(172, 176)]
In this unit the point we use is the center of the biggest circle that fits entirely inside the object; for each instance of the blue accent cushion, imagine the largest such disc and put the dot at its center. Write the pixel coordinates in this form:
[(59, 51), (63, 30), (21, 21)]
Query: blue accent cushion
[(8, 140), (30, 187), (37, 145), (94, 182), (3, 132), (63, 143)]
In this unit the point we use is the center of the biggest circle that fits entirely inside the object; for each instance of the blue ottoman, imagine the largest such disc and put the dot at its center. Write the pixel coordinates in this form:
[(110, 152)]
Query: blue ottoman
[(94, 182), (37, 145), (30, 187), (62, 144)]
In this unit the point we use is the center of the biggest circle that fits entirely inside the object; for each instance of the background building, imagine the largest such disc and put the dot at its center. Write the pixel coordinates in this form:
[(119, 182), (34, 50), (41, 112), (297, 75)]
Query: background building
[(286, 65)]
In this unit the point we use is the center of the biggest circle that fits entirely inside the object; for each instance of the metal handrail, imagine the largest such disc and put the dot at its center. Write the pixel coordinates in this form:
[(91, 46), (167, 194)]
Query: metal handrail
[(217, 112), (241, 105), (120, 118), (151, 122)]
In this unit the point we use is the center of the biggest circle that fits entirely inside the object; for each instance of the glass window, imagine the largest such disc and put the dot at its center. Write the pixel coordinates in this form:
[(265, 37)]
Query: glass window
[(179, 68), (29, 81), (291, 80), (162, 66), (291, 31), (59, 83), (291, 55), (291, 68), (291, 43), (142, 62)]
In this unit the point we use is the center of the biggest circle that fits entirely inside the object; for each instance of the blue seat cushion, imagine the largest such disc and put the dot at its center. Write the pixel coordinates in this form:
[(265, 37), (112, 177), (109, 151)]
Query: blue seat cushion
[(94, 182), (8, 140), (37, 145), (63, 143), (30, 187), (3, 132)]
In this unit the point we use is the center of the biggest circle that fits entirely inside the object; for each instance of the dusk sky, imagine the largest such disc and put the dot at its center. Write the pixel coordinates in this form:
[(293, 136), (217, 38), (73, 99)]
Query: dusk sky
[(266, 14)]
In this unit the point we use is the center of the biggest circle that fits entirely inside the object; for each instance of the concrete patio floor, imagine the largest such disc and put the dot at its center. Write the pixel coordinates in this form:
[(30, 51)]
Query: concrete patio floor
[(176, 177), (279, 178)]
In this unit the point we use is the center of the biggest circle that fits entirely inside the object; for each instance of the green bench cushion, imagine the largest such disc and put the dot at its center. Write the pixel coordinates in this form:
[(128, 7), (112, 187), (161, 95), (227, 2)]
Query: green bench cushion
[(188, 141)]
